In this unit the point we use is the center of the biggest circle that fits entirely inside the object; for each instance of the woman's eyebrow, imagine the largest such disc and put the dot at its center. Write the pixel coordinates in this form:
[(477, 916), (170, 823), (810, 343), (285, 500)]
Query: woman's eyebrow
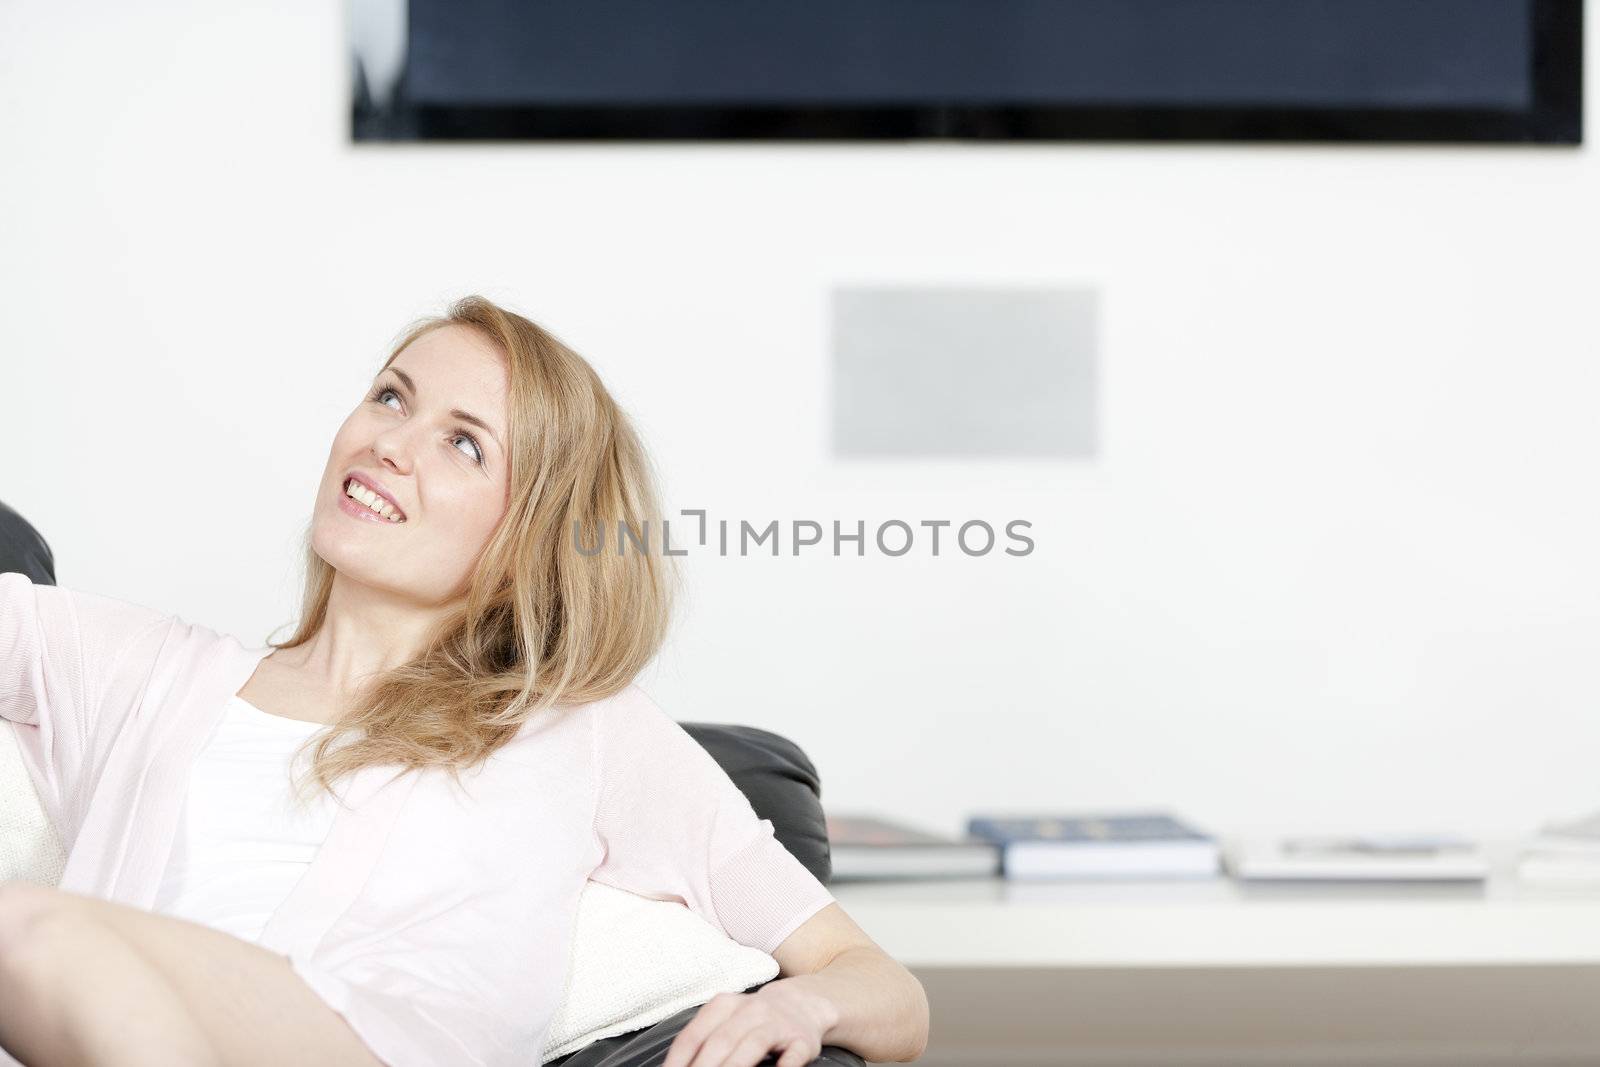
[(464, 416)]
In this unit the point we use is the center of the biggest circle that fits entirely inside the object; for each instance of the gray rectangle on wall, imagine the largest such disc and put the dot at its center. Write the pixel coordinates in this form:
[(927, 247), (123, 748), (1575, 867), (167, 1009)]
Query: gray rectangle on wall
[(963, 371)]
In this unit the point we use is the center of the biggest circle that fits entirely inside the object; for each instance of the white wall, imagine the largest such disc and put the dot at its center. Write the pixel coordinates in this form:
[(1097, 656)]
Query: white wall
[(1336, 564)]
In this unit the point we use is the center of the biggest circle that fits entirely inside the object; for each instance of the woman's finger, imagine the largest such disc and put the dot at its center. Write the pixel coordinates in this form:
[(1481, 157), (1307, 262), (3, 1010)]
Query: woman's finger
[(686, 1046)]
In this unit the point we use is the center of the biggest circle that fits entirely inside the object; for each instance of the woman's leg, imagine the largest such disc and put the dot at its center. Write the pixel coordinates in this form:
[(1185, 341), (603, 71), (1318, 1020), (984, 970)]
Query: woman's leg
[(88, 982)]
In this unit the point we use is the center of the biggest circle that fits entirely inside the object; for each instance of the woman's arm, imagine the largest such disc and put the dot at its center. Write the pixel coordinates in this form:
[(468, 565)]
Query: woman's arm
[(675, 826), (62, 659), (837, 987), (881, 1009)]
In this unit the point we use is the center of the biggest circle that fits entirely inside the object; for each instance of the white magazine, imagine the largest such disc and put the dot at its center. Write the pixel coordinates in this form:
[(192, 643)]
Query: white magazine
[(1360, 858)]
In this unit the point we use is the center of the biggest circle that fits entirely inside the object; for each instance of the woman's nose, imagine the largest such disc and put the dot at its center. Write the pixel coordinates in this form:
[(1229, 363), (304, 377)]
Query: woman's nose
[(393, 451)]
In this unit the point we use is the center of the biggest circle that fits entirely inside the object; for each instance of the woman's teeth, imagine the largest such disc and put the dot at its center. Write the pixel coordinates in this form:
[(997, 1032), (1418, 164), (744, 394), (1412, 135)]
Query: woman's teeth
[(356, 491)]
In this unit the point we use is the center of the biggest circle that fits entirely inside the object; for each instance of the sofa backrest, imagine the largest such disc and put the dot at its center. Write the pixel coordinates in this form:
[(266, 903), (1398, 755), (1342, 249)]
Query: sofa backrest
[(780, 782), (24, 549)]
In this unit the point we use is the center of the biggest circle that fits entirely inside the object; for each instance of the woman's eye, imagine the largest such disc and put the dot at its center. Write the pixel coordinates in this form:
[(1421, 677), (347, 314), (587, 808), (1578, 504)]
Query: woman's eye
[(476, 454)]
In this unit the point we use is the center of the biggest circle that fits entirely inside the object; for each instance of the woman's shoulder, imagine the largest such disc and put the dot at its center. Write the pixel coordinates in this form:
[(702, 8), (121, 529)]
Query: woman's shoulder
[(629, 713), (633, 734), (599, 724)]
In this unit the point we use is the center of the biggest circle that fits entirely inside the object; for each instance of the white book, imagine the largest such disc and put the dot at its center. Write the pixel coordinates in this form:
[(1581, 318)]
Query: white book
[(1559, 859), (1360, 858), (1028, 860)]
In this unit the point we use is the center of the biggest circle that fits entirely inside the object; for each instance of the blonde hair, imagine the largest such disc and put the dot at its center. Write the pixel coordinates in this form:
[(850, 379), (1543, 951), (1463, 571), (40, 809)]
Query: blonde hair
[(540, 624)]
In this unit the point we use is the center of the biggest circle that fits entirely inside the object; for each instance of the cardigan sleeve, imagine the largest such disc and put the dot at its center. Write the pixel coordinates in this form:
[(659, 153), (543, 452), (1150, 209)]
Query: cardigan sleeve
[(62, 653), (676, 827)]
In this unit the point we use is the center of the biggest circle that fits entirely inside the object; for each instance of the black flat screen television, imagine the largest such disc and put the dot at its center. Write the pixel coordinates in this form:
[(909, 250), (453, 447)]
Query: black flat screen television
[(1125, 70)]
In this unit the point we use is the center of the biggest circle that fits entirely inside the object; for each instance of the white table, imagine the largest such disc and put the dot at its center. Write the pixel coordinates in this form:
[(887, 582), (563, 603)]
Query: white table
[(1176, 972)]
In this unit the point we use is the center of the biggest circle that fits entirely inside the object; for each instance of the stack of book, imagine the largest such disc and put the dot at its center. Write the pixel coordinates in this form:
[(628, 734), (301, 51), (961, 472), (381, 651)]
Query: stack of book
[(1133, 845), (866, 847)]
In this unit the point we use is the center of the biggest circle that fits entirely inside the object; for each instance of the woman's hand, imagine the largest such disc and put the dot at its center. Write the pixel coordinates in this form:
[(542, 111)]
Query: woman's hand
[(739, 1029)]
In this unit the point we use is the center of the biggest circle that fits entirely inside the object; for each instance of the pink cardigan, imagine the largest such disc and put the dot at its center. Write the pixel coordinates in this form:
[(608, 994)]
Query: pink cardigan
[(436, 920)]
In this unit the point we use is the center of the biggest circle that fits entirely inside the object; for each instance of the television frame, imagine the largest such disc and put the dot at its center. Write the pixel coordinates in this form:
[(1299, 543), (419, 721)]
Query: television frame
[(1555, 116)]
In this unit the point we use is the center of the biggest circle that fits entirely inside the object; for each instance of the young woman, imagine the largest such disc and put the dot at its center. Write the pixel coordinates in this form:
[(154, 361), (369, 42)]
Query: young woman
[(365, 844)]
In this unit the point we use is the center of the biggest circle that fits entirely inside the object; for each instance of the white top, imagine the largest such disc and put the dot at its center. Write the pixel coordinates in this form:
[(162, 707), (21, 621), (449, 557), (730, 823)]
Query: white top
[(241, 846)]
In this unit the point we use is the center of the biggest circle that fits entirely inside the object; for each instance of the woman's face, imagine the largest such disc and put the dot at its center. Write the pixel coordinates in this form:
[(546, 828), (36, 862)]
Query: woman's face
[(414, 439)]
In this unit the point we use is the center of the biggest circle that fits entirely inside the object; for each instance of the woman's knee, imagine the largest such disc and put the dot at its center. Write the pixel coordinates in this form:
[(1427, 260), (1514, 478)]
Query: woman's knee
[(48, 941), (22, 904), (31, 917)]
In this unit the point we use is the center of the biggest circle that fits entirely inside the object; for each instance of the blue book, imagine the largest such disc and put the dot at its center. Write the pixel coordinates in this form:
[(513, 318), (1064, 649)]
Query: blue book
[(1131, 845)]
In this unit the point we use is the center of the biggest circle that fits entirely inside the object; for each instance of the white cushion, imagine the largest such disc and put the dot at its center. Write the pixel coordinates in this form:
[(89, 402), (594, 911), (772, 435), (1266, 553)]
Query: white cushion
[(635, 961), (28, 846)]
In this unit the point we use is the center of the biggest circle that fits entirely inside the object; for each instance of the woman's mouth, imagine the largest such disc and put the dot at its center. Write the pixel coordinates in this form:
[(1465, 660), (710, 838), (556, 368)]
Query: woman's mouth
[(363, 503)]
